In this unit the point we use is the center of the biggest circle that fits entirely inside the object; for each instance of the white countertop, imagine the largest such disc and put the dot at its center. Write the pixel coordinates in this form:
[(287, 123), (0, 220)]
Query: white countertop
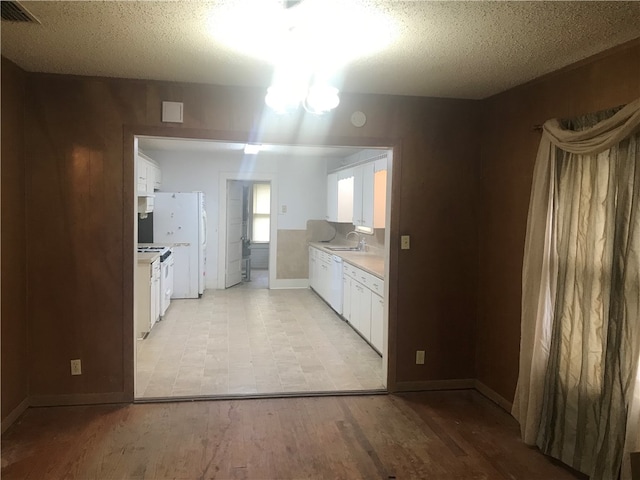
[(371, 262), (148, 257)]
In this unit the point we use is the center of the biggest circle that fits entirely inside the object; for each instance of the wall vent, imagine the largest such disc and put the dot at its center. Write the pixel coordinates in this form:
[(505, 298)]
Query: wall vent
[(14, 12)]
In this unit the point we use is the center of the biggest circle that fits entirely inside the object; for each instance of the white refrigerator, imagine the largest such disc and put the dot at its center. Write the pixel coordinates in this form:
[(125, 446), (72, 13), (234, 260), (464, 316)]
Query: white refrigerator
[(180, 219)]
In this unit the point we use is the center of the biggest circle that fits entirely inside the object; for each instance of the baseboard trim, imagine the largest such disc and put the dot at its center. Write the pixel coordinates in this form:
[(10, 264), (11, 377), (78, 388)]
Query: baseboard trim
[(284, 283), (79, 399), (14, 414), (493, 396), (425, 385)]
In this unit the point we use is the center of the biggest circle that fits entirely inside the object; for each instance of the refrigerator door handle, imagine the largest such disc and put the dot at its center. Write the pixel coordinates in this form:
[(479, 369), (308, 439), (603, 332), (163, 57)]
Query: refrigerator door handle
[(204, 228)]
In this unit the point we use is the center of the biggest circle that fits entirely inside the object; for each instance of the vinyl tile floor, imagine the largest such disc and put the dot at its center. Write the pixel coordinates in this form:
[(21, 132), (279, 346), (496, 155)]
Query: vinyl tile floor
[(247, 340)]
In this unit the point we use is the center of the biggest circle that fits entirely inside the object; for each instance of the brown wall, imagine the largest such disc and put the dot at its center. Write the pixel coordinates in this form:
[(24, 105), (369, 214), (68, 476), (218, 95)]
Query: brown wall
[(80, 202), (79, 221), (509, 145), (14, 317)]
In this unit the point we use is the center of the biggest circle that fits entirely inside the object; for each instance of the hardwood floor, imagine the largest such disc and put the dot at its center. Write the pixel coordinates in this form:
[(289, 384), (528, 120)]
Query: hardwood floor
[(430, 435)]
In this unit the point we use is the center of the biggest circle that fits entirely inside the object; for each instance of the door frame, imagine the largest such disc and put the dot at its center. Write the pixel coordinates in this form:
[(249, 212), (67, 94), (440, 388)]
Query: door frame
[(270, 178), (129, 224)]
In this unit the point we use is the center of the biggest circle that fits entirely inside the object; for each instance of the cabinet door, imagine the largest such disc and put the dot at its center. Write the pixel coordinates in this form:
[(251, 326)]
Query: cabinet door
[(324, 279), (354, 314), (361, 309), (332, 197), (345, 199), (157, 178), (380, 199), (377, 318), (141, 174), (357, 195), (365, 312), (367, 194), (346, 298), (151, 177)]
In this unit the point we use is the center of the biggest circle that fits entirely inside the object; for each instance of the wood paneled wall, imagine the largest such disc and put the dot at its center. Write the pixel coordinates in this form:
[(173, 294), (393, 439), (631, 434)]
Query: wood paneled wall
[(78, 184), (14, 317), (79, 135), (509, 146)]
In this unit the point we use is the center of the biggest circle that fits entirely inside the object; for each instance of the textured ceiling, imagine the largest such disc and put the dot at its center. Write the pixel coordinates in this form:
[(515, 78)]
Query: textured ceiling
[(445, 49)]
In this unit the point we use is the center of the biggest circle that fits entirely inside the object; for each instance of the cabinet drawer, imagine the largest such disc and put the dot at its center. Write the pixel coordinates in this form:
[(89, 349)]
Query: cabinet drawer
[(376, 285), (350, 270), (371, 281)]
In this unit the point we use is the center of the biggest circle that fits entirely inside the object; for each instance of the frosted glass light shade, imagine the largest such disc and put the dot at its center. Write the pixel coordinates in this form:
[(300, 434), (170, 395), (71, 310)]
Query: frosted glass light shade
[(321, 99)]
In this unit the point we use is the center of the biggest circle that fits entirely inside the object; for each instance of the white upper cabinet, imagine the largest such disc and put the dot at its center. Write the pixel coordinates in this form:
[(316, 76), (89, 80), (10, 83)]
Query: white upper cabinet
[(141, 175), (332, 197), (370, 195), (148, 175), (358, 194), (339, 197)]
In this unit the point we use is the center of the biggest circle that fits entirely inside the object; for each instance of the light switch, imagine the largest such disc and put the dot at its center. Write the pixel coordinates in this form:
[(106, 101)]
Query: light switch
[(284, 209), (405, 242)]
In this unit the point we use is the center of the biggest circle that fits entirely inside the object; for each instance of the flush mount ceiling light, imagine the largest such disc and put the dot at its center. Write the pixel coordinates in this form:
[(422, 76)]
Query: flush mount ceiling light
[(305, 41), (321, 99), (318, 99)]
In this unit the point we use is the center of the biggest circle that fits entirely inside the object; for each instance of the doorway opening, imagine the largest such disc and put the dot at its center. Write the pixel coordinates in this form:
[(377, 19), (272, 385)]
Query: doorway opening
[(248, 233), (258, 329)]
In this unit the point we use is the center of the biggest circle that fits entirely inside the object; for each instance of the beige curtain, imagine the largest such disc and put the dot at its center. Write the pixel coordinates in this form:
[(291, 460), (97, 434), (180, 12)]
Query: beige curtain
[(540, 291)]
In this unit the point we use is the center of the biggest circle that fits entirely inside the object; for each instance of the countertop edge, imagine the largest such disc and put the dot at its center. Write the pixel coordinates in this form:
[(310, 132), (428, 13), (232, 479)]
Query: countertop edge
[(148, 257)]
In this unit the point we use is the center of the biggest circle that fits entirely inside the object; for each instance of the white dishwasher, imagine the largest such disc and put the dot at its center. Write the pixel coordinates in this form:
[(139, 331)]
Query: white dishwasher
[(335, 286)]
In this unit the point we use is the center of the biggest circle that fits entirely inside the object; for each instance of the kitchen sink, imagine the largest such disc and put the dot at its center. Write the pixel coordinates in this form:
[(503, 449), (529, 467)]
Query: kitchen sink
[(343, 249)]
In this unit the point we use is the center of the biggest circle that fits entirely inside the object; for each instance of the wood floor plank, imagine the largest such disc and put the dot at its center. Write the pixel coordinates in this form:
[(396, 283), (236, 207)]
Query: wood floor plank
[(431, 435)]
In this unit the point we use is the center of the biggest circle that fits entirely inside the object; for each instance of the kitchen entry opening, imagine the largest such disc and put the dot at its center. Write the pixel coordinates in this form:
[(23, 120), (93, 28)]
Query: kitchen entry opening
[(261, 330)]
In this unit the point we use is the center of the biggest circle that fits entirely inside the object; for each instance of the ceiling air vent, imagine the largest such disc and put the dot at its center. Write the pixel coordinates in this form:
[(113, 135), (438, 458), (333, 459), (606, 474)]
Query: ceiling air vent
[(14, 12)]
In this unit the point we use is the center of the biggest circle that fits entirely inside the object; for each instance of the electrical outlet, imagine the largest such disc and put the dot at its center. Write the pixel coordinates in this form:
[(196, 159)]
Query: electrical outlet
[(76, 367), (405, 242), (419, 357)]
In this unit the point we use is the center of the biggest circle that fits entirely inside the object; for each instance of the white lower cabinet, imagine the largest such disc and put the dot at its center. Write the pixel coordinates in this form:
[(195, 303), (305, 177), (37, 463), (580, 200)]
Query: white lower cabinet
[(377, 319), (346, 297), (362, 295), (362, 307)]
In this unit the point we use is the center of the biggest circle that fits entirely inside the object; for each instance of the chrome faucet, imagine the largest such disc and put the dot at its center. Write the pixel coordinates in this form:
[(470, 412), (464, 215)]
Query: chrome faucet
[(361, 242)]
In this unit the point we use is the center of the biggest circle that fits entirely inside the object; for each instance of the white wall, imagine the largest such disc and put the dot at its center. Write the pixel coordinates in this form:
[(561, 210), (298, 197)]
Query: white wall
[(301, 185)]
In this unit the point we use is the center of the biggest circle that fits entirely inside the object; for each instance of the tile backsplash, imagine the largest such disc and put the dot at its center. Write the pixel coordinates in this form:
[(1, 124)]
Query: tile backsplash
[(321, 230)]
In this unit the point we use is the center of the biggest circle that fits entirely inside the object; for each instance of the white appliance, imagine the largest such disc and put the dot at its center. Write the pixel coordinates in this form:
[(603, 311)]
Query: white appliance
[(335, 289), (180, 219)]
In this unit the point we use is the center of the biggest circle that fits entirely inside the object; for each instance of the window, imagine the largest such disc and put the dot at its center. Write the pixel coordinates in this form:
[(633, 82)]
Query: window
[(261, 223)]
